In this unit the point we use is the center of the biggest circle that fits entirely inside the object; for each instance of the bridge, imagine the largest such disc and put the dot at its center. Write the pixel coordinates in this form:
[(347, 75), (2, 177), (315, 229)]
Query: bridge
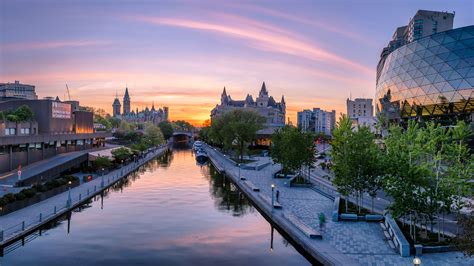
[(183, 137)]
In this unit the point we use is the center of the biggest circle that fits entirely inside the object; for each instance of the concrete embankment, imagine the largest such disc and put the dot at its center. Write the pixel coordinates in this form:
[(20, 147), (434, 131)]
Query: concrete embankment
[(318, 251)]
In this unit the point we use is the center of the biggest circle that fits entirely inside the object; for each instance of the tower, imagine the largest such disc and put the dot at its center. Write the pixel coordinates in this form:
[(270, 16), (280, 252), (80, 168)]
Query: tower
[(262, 99), (116, 106), (126, 103), (224, 97)]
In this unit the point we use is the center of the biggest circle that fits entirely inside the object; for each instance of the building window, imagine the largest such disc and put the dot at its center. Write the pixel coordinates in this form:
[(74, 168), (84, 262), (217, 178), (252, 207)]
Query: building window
[(10, 131), (25, 131)]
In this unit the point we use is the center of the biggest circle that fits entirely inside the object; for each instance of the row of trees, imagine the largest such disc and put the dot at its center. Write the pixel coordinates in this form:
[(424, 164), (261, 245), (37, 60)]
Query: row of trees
[(426, 170), (234, 130)]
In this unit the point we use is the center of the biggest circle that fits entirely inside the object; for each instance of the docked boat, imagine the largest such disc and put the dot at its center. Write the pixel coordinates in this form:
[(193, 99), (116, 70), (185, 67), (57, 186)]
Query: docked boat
[(197, 145), (201, 156)]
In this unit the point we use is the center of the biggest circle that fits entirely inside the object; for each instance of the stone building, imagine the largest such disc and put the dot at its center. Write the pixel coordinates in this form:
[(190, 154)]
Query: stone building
[(265, 105)]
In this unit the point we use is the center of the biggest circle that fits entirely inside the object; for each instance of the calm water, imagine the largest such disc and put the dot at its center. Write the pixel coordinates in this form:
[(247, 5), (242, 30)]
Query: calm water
[(171, 212)]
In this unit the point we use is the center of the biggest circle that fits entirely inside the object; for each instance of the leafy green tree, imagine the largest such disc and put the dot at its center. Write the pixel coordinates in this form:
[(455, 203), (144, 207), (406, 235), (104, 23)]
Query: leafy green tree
[(292, 149), (121, 154), (465, 241), (356, 161), (24, 113), (236, 129), (166, 129), (153, 135), (102, 162), (181, 125), (428, 169)]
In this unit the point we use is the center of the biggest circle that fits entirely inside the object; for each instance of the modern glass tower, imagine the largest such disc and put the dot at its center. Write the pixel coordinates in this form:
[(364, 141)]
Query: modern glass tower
[(430, 77)]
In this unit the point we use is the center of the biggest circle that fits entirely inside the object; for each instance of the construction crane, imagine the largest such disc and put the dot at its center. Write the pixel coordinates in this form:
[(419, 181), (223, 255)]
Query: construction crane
[(68, 94)]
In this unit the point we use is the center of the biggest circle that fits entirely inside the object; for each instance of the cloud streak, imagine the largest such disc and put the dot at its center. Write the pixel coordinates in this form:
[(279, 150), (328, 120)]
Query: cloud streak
[(263, 37), (51, 45)]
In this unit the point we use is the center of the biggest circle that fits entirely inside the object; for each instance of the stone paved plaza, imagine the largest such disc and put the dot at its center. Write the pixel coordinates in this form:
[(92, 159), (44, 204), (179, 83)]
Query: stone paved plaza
[(361, 242)]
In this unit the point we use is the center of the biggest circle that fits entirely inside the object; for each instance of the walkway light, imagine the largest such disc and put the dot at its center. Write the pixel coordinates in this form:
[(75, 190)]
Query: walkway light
[(416, 261), (273, 196)]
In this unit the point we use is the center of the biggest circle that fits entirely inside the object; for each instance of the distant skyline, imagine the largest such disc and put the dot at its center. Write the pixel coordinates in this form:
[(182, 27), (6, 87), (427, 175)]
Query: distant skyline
[(182, 53)]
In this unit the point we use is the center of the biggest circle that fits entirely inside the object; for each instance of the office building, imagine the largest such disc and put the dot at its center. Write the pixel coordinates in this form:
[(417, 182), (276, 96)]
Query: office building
[(317, 121), (17, 90)]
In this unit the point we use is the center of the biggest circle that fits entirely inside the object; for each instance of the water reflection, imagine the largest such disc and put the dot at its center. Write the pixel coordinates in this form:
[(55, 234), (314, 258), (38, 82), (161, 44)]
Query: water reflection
[(226, 196), (168, 212)]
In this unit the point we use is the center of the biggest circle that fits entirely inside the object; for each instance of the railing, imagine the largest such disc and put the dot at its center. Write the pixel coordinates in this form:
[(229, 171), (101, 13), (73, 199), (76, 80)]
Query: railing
[(16, 230)]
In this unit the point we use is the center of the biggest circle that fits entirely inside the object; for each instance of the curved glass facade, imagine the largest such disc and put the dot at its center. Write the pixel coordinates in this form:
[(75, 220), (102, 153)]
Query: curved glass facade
[(433, 76)]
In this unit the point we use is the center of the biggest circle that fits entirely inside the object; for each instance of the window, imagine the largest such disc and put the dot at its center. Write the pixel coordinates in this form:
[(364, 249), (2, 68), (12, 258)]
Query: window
[(434, 27), (10, 131), (25, 131)]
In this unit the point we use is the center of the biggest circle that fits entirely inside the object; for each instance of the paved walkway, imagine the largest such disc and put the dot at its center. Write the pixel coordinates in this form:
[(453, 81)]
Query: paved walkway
[(12, 223), (360, 243)]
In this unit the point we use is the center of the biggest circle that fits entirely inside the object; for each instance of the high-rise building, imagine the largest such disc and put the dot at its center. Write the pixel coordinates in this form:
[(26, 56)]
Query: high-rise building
[(359, 108), (317, 121), (426, 23), (126, 103), (17, 90), (429, 74)]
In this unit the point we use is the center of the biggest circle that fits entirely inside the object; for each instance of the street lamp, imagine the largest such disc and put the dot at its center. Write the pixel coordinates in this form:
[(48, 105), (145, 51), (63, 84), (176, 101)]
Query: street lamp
[(417, 261), (69, 200), (239, 169), (273, 196), (122, 163), (102, 181)]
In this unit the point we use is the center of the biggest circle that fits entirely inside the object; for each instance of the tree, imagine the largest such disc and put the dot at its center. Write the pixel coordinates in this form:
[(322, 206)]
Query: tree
[(236, 129), (356, 159), (121, 154), (166, 129), (292, 148), (428, 169), (102, 162), (153, 135), (181, 125), (24, 113)]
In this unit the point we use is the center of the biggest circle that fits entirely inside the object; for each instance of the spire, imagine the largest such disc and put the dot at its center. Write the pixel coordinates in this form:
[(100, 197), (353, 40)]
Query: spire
[(283, 99), (153, 106), (224, 97), (126, 93), (263, 90)]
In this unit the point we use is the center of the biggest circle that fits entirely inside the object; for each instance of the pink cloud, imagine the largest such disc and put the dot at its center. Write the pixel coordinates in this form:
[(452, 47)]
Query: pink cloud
[(264, 37)]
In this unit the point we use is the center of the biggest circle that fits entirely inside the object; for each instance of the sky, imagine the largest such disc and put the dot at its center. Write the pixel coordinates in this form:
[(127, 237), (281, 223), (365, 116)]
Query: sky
[(181, 54)]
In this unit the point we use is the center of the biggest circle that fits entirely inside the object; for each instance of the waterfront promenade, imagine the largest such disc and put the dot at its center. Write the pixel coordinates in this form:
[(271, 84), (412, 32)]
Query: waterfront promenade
[(342, 243), (23, 221)]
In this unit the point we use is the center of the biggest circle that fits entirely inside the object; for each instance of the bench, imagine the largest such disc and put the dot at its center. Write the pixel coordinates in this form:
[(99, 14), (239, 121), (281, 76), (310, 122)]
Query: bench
[(251, 185), (349, 216), (374, 217), (268, 200), (307, 230)]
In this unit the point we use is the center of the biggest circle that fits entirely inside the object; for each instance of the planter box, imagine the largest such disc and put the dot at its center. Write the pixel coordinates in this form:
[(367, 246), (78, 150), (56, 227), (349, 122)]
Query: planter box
[(17, 205)]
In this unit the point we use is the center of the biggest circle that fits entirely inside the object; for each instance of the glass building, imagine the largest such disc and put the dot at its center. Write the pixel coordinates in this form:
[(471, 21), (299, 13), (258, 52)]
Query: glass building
[(431, 77)]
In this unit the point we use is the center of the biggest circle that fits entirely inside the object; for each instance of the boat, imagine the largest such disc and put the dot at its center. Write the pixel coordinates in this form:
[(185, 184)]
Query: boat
[(197, 145), (201, 156)]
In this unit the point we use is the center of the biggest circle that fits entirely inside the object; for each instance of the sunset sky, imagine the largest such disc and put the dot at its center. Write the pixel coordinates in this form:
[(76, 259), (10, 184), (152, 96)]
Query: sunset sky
[(182, 53)]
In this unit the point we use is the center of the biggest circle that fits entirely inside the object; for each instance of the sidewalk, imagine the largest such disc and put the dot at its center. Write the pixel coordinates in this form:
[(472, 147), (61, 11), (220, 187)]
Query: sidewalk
[(347, 242), (16, 222)]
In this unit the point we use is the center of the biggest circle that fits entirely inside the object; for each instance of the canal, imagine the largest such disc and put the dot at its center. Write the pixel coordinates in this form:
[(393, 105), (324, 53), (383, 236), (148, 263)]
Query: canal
[(170, 212)]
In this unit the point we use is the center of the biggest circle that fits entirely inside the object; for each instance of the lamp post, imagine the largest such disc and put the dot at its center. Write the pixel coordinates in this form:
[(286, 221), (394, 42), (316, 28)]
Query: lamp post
[(273, 195), (102, 181), (69, 200), (416, 261), (239, 169)]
